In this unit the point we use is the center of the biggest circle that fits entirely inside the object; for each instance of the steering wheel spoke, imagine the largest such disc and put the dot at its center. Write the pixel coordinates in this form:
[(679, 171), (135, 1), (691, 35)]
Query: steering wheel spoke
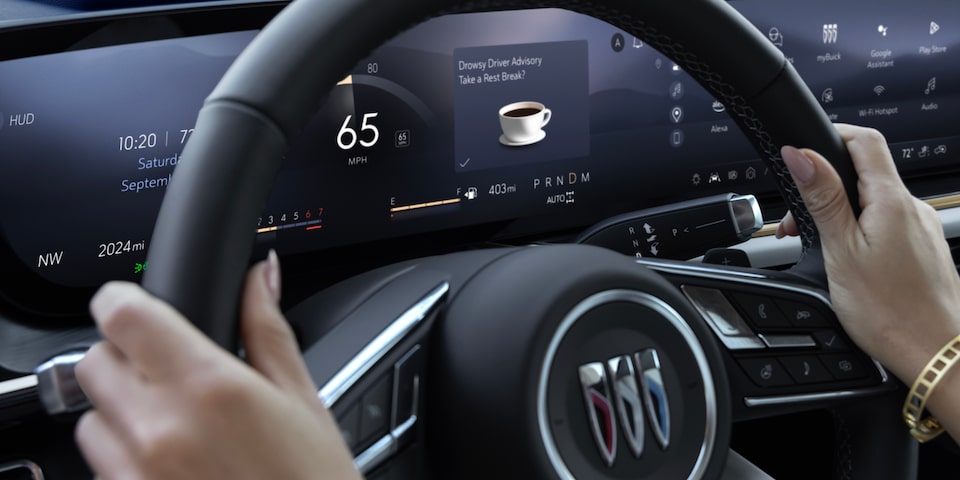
[(488, 359), (784, 348), (366, 348), (571, 360)]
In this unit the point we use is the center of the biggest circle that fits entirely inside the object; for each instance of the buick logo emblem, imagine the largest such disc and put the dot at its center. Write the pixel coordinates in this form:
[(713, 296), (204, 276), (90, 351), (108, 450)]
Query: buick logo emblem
[(628, 388)]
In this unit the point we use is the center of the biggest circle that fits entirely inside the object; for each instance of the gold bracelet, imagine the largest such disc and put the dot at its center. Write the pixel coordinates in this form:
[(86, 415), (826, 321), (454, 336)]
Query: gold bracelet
[(928, 428)]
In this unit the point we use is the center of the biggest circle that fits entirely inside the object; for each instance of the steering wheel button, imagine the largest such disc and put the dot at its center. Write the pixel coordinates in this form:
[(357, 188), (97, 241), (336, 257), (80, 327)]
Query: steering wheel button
[(803, 315), (762, 311), (844, 366), (806, 369), (375, 407), (830, 340), (766, 372)]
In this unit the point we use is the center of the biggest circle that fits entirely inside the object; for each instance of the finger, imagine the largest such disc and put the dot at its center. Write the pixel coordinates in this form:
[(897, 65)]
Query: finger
[(268, 339), (106, 451), (788, 226), (822, 193), (111, 384), (149, 332)]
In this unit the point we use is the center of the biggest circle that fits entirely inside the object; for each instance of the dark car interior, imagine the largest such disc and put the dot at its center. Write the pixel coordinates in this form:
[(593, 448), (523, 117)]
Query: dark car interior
[(519, 239)]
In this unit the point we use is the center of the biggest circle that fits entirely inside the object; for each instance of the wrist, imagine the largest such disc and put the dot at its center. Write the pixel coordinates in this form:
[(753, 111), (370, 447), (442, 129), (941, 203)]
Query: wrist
[(905, 352), (935, 378)]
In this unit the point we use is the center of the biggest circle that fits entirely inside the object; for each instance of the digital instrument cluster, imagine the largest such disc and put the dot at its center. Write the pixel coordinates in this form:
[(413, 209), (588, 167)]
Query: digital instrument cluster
[(462, 120)]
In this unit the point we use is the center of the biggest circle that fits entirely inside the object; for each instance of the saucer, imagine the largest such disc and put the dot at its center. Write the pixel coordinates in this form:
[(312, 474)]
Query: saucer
[(536, 138)]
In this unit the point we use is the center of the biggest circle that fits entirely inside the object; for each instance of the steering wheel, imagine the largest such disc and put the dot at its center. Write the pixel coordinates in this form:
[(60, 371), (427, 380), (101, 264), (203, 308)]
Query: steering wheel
[(533, 361)]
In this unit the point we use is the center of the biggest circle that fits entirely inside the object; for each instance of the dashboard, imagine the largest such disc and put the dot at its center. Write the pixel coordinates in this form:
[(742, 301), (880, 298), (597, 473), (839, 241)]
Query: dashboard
[(466, 131), (417, 138)]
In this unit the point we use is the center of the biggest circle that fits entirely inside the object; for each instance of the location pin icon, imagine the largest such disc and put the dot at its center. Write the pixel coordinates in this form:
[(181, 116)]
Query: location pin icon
[(676, 114)]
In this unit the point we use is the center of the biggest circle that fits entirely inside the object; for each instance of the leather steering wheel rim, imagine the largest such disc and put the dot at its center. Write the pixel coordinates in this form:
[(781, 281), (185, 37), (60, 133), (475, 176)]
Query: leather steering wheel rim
[(203, 237)]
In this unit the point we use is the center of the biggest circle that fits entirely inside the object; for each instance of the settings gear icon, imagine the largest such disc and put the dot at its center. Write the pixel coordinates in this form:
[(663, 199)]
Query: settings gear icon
[(696, 179)]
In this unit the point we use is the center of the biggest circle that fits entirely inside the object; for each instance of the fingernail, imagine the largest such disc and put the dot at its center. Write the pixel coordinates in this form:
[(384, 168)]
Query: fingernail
[(801, 167), (780, 233), (272, 274)]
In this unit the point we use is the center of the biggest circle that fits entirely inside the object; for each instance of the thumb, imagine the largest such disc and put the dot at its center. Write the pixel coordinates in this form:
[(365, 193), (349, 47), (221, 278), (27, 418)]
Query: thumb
[(268, 339), (822, 193), (787, 226)]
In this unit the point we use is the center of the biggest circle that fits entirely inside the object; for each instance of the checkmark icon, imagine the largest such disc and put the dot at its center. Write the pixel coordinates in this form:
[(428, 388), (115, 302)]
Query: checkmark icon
[(465, 162)]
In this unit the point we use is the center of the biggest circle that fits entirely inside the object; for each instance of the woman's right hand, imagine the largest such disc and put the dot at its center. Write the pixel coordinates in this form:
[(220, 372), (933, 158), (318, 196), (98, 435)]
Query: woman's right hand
[(893, 283)]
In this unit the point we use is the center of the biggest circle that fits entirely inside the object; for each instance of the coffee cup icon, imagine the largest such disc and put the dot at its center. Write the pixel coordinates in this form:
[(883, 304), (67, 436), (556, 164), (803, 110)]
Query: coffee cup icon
[(522, 123)]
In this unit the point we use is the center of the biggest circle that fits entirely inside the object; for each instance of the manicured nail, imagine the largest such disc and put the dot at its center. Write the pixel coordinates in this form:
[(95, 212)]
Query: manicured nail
[(272, 274), (801, 167)]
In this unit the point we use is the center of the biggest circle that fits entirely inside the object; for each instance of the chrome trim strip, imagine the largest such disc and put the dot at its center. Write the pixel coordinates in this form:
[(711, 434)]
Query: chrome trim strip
[(883, 371), (686, 332), (35, 471), (415, 407), (379, 346), (404, 427), (682, 269), (810, 397), (379, 452), (731, 329), (375, 455), (788, 341), (17, 385)]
